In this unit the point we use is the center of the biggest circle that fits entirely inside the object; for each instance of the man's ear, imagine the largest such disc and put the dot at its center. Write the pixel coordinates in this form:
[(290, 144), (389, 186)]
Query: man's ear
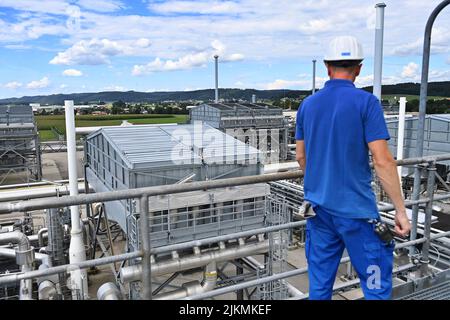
[(358, 70), (329, 69)]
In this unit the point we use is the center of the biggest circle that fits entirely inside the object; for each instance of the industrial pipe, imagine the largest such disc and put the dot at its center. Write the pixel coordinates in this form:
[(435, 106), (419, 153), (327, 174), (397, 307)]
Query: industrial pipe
[(77, 251), (173, 189), (401, 134), (42, 258), (16, 277), (37, 192), (314, 77), (146, 274), (378, 58), (192, 288), (427, 223), (134, 272), (423, 109), (109, 291), (292, 291), (47, 285), (24, 258), (216, 63), (41, 236)]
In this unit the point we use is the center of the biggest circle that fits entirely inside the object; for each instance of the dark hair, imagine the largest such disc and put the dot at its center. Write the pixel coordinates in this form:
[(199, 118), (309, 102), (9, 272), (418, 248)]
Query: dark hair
[(344, 63)]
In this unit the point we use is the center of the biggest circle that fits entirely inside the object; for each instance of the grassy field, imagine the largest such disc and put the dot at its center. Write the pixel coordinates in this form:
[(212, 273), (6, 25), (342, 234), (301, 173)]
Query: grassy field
[(408, 97), (46, 123)]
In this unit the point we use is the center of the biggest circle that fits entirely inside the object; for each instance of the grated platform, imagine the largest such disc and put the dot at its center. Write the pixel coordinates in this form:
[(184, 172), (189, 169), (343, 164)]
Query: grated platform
[(439, 292)]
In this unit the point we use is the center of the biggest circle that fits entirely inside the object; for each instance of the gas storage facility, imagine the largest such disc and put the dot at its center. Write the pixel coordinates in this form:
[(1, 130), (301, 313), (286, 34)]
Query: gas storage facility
[(19, 144), (257, 124), (212, 209)]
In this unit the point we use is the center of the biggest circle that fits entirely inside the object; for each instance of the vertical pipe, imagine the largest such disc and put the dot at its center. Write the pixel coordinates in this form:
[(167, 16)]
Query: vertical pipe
[(378, 58), (401, 134), (239, 272), (424, 81), (254, 98), (314, 77), (423, 109), (145, 247), (216, 62), (427, 224), (77, 251)]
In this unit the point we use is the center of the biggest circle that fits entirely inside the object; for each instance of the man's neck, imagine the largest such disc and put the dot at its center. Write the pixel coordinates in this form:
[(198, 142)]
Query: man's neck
[(343, 77)]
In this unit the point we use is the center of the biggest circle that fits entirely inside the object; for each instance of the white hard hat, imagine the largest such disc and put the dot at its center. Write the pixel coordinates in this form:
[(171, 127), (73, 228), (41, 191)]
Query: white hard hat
[(344, 48)]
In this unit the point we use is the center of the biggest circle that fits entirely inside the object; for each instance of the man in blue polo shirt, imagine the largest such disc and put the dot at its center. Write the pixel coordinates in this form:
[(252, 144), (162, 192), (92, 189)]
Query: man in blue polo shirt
[(336, 129)]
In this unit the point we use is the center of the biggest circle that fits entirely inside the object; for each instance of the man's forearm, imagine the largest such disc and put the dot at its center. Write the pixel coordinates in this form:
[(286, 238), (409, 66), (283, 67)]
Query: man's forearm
[(388, 175), (302, 163)]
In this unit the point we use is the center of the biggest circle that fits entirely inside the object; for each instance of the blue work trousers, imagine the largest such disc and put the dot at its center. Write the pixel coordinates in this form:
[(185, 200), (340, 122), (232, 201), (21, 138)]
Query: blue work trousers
[(327, 236)]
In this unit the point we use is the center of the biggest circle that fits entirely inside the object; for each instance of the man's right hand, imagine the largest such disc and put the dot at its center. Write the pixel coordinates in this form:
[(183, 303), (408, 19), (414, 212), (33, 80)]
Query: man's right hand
[(402, 224)]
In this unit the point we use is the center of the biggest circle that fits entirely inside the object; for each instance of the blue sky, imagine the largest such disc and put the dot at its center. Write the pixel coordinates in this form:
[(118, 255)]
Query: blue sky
[(65, 46)]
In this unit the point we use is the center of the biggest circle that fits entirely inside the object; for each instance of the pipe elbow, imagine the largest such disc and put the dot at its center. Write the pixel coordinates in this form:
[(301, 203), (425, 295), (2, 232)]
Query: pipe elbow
[(16, 237)]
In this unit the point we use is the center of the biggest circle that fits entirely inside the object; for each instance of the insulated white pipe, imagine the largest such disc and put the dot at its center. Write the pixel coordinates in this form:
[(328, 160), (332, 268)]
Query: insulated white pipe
[(314, 77), (401, 134), (216, 62), (77, 251), (378, 59), (193, 288)]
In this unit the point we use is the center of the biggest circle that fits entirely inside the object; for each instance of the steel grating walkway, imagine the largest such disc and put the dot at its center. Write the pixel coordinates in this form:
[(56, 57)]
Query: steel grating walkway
[(439, 292)]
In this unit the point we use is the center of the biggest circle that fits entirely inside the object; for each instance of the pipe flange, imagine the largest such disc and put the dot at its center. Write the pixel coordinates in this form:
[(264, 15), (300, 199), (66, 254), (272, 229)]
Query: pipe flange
[(25, 257), (109, 291), (192, 288)]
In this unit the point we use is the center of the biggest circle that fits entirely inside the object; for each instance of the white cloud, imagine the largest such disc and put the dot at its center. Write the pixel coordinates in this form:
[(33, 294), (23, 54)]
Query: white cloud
[(53, 7), (410, 70), (91, 52), (143, 43), (114, 88), (39, 84), (63, 86), (72, 73), (13, 85), (284, 84), (304, 81), (317, 26), (101, 5), (439, 44), (364, 81), (197, 7), (98, 51), (188, 61)]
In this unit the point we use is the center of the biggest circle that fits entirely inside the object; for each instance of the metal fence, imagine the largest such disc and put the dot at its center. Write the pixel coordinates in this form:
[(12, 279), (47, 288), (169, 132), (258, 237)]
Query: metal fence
[(146, 250)]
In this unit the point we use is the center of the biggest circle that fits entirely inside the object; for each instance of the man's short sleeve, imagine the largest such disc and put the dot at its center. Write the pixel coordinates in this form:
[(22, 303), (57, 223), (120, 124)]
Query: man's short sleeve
[(299, 135), (374, 123)]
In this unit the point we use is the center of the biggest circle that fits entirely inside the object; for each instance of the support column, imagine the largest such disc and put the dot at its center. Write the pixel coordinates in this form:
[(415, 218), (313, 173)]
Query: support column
[(427, 224)]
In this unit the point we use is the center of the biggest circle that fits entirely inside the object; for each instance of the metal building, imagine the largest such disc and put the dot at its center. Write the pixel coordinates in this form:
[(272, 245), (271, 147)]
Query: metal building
[(260, 125), (437, 135), (19, 144), (143, 156)]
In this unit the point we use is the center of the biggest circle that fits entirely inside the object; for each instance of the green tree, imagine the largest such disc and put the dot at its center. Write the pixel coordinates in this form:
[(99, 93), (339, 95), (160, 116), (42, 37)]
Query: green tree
[(118, 106)]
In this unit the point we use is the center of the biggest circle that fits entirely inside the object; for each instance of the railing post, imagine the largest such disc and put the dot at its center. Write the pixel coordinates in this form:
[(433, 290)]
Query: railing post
[(431, 169), (145, 247), (415, 208)]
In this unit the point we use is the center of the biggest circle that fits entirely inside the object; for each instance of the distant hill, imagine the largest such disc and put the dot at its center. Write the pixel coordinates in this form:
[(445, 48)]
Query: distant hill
[(434, 89), (133, 96), (439, 89)]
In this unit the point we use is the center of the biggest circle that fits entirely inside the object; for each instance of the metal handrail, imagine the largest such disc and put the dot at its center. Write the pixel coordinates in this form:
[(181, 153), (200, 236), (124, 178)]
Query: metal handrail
[(67, 201), (147, 251)]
